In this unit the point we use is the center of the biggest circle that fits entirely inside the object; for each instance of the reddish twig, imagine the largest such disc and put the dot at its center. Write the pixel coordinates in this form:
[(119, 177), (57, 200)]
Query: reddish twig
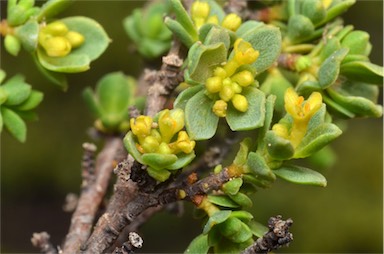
[(93, 191)]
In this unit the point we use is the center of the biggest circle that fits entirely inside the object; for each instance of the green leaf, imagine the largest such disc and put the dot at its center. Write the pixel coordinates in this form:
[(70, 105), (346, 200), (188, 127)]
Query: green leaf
[(200, 121), (182, 161), (158, 161), (91, 101), (215, 35), (198, 245), (300, 27), (58, 79), (28, 35), (251, 119), (216, 218), (14, 124), (357, 42), (267, 40), (336, 108), (130, 145), (337, 9), (258, 166), (314, 10), (278, 147), (222, 200), (17, 90), (330, 68), (183, 18), (332, 45), (202, 61), (12, 44), (276, 84), (257, 228), (269, 107), (247, 26), (32, 102), (184, 96), (242, 215), (242, 199), (114, 93), (301, 175), (251, 179), (71, 63), (53, 7), (180, 32), (319, 137), (242, 154), (363, 71), (357, 104), (159, 174), (232, 187)]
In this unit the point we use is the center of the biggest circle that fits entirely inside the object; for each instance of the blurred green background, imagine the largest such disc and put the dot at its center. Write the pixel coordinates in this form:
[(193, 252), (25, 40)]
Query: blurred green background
[(344, 217)]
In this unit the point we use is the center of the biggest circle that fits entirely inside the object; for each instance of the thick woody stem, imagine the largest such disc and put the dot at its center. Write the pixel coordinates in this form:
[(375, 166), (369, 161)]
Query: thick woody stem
[(93, 191)]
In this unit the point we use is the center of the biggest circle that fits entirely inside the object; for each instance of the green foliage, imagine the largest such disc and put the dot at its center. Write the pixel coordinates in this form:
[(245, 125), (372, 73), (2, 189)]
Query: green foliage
[(146, 29), (17, 102)]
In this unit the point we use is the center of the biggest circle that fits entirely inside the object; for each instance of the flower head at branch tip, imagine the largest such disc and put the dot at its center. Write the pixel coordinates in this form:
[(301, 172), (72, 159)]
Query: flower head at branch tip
[(58, 40), (300, 110), (244, 52), (170, 122)]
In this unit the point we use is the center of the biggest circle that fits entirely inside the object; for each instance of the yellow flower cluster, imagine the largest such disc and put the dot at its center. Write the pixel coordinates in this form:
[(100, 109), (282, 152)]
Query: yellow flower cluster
[(301, 112), (200, 16), (58, 40), (228, 84), (156, 137)]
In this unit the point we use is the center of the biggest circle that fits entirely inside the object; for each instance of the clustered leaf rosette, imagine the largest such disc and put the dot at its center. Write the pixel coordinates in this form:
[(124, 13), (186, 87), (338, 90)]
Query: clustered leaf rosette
[(67, 45), (222, 75), (147, 30), (332, 59), (17, 102), (114, 94), (189, 27), (162, 145)]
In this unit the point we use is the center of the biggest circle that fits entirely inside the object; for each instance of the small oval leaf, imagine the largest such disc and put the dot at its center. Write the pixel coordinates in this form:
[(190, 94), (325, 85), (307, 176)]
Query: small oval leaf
[(301, 175)]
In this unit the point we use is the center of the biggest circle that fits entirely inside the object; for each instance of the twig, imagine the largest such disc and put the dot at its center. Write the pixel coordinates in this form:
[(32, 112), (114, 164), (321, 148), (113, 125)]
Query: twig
[(277, 236), (134, 242), (94, 188), (41, 241)]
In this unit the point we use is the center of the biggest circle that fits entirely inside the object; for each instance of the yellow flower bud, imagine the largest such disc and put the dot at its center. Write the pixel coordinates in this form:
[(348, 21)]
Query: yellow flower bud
[(200, 10), (57, 46), (141, 126), (281, 130), (244, 53), (214, 84), (226, 93), (170, 122), (184, 143), (56, 28), (164, 149), (236, 88), (220, 72), (75, 38), (213, 20), (243, 78), (150, 144), (231, 22), (220, 108), (240, 102)]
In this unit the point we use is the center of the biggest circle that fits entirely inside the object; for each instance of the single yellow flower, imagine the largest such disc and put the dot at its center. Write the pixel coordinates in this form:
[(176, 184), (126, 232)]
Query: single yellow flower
[(170, 122), (244, 52), (183, 143), (301, 112), (231, 22), (141, 126)]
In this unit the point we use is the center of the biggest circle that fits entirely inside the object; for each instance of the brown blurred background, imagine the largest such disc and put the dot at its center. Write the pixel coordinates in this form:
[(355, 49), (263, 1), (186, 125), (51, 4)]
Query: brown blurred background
[(344, 217)]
